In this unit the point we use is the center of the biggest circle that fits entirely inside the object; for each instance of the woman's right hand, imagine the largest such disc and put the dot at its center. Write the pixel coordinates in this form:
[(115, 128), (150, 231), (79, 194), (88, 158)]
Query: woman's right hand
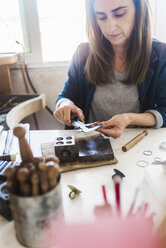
[(64, 112)]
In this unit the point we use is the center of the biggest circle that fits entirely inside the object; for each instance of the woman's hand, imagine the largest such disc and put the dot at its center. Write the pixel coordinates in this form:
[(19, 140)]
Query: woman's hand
[(115, 126), (65, 110)]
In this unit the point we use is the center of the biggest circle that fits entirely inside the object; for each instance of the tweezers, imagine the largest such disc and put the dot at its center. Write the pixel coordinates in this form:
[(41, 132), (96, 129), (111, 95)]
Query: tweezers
[(86, 128)]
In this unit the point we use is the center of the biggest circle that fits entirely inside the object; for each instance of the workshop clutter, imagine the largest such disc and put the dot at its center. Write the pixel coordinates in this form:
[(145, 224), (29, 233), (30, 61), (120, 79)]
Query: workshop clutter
[(33, 178), (67, 149), (35, 196)]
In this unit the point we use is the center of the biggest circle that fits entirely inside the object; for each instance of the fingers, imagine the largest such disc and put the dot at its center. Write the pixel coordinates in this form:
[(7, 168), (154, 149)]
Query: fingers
[(113, 132), (113, 127), (67, 115), (78, 112), (108, 124), (58, 114), (63, 114)]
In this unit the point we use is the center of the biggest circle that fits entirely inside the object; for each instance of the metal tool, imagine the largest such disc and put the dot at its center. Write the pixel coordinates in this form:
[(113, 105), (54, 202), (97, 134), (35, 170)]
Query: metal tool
[(7, 103), (86, 127), (4, 166), (8, 142), (5, 210), (1, 129)]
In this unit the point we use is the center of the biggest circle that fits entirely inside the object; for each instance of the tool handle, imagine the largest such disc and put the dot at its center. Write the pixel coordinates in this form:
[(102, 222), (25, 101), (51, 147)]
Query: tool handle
[(134, 141), (53, 174), (25, 150), (27, 131), (35, 184)]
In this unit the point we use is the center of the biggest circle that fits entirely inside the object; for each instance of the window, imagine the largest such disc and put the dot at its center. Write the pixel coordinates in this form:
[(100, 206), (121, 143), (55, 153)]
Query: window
[(52, 29), (10, 26), (62, 28), (159, 19)]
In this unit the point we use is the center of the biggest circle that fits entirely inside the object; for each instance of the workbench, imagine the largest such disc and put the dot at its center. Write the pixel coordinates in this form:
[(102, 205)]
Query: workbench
[(150, 180)]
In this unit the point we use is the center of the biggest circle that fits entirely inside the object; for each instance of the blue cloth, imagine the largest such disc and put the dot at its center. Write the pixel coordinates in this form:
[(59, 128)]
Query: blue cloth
[(152, 91)]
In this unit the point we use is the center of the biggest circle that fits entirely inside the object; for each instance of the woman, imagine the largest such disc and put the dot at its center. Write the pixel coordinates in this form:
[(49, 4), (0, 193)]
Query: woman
[(119, 77)]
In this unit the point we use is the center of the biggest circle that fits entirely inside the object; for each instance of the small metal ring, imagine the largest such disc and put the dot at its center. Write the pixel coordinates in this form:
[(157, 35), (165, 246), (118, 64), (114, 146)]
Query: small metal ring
[(157, 159), (163, 145), (147, 152), (72, 194), (142, 163)]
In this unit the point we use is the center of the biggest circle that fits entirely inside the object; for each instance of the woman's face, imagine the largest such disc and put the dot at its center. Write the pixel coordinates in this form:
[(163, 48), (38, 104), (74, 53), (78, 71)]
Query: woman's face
[(116, 19)]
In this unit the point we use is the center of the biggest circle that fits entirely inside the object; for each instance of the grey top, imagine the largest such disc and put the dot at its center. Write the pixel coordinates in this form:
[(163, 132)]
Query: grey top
[(117, 98), (112, 99)]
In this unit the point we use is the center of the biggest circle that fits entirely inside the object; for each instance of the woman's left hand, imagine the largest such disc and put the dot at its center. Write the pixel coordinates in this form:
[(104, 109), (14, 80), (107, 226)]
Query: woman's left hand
[(115, 126)]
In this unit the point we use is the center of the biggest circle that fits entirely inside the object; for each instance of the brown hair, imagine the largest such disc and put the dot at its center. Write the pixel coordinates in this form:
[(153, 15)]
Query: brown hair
[(101, 53)]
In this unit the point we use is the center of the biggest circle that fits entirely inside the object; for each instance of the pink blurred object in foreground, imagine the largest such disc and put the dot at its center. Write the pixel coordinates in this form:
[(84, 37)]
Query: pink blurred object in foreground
[(108, 233)]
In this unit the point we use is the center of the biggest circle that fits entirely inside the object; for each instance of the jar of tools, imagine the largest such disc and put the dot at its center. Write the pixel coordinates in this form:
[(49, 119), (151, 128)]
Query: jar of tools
[(35, 197)]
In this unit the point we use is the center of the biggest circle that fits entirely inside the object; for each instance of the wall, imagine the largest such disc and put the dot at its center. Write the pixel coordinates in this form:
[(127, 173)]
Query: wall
[(48, 80)]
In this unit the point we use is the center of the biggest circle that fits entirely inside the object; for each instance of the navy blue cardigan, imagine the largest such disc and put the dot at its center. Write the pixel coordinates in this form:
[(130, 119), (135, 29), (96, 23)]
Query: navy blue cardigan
[(152, 91)]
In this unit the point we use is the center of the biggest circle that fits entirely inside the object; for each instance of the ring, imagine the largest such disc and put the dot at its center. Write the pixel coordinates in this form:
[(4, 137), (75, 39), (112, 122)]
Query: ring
[(163, 145), (157, 159), (72, 194), (142, 163), (147, 152)]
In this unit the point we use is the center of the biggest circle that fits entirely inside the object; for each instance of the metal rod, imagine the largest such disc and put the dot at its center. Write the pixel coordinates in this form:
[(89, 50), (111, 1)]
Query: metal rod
[(8, 142)]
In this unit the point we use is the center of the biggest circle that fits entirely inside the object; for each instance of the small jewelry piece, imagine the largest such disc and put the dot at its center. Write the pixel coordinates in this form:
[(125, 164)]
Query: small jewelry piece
[(160, 162), (74, 192), (142, 163), (163, 145), (157, 159), (147, 153)]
